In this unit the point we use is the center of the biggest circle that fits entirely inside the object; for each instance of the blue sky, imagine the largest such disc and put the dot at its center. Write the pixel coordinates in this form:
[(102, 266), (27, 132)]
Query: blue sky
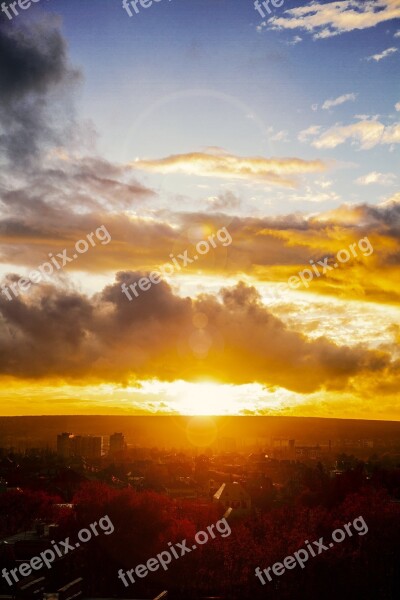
[(211, 73)]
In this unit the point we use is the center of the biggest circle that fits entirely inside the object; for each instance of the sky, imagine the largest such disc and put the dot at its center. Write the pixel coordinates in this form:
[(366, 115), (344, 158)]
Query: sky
[(257, 156)]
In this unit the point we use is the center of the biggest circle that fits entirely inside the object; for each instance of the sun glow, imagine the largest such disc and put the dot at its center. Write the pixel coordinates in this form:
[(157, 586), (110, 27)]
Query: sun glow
[(205, 399)]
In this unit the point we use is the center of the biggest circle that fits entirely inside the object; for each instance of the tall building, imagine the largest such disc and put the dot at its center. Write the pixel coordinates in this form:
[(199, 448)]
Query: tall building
[(117, 443), (63, 445), (88, 446)]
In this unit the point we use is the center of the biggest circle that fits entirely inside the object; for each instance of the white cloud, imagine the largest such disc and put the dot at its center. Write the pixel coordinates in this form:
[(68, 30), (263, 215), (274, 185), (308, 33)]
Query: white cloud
[(306, 134), (397, 34), (397, 106), (377, 178), (384, 54), (314, 107), (367, 134), (393, 200), (296, 40), (311, 195), (324, 183), (280, 136), (337, 101), (334, 18)]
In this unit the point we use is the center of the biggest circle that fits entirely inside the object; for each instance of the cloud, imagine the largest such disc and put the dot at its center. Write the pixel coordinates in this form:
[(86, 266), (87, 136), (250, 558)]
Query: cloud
[(377, 178), (367, 133), (33, 67), (392, 202), (268, 249), (296, 40), (275, 171), (397, 106), (109, 339), (337, 101), (310, 132), (225, 201), (335, 18), (310, 195), (384, 54), (280, 136), (56, 205)]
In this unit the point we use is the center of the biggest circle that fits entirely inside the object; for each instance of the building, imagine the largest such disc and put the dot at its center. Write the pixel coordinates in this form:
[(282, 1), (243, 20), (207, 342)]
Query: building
[(283, 448), (309, 452), (233, 495), (63, 445), (117, 443), (87, 446)]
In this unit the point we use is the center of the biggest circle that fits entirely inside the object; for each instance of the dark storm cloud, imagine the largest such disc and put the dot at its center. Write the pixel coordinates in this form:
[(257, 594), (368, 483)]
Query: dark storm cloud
[(60, 333), (33, 65)]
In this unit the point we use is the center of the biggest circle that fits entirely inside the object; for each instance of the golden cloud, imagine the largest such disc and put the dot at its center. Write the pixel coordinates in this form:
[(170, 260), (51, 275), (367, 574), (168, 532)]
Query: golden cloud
[(275, 171), (335, 18), (266, 249), (230, 337)]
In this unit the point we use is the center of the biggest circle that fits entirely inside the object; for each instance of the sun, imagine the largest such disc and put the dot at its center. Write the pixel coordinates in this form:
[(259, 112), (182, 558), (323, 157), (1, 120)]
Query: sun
[(204, 399), (208, 398)]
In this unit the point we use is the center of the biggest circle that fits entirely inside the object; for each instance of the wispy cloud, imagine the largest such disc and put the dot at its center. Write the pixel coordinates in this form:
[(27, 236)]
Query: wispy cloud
[(377, 178), (335, 18), (276, 171), (310, 132), (280, 136), (337, 101), (392, 202), (311, 195), (296, 40), (367, 134), (384, 54)]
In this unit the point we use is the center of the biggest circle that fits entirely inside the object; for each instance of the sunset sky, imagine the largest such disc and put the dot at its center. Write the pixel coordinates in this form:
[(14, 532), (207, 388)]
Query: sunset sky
[(186, 119)]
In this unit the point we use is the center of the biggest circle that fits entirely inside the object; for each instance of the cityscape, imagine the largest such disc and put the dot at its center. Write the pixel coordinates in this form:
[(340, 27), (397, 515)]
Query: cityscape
[(50, 491)]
